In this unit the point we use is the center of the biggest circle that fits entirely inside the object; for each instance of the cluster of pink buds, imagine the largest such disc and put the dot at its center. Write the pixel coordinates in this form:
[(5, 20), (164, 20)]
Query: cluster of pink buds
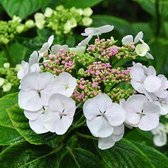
[(60, 62), (86, 89)]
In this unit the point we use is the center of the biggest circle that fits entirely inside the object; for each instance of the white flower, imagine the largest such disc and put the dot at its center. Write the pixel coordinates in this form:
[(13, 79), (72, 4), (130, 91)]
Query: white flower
[(44, 50), (108, 142), (65, 84), (102, 115), (142, 50), (34, 58), (144, 80), (59, 116), (36, 88), (56, 48), (128, 40), (39, 20), (160, 137), (90, 32), (141, 113)]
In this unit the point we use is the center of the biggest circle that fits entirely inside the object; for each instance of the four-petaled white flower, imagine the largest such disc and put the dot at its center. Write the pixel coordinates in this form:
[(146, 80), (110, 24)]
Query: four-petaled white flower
[(160, 137), (108, 142), (31, 66), (102, 115), (144, 80), (44, 50), (141, 113), (36, 88), (65, 84), (91, 31), (60, 114), (129, 40)]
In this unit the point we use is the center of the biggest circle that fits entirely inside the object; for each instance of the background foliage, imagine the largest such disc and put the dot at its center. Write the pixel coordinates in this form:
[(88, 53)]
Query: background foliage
[(20, 147)]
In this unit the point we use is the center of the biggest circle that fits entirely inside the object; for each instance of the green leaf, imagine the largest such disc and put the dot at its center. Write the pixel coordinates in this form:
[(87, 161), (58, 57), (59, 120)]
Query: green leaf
[(3, 58), (161, 59), (77, 3), (79, 158), (5, 103), (158, 159), (9, 136), (21, 8), (21, 124), (17, 53), (24, 155), (148, 6), (120, 25), (125, 154)]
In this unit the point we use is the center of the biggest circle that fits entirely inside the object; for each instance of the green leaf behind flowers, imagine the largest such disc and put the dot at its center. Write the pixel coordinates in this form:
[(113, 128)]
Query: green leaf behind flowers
[(21, 124)]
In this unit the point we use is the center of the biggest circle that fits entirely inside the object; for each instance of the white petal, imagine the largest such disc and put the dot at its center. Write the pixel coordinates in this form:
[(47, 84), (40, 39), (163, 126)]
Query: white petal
[(105, 29), (65, 84), (127, 40), (138, 37), (160, 139), (150, 120), (35, 68), (38, 125), (151, 71), (138, 86), (149, 56), (115, 115), (29, 100), (33, 115), (118, 130), (99, 127), (152, 83), (50, 40), (137, 73), (24, 70), (85, 41), (105, 143), (33, 58)]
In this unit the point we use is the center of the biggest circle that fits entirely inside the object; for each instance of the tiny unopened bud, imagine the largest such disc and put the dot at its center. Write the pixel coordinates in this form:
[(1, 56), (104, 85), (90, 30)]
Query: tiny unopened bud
[(6, 65), (7, 87)]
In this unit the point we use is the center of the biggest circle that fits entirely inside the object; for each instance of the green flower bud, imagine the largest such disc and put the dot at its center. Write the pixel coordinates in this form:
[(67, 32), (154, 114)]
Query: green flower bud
[(48, 12), (86, 21), (39, 20), (2, 80), (29, 23), (87, 12), (6, 65), (7, 87), (20, 28)]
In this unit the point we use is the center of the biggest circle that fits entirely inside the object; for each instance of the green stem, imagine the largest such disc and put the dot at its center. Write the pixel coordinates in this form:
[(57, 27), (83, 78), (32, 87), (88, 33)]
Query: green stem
[(85, 136)]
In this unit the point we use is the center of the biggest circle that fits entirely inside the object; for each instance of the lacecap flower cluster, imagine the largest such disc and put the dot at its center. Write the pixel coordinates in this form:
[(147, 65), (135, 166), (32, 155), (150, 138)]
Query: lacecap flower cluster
[(59, 81)]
